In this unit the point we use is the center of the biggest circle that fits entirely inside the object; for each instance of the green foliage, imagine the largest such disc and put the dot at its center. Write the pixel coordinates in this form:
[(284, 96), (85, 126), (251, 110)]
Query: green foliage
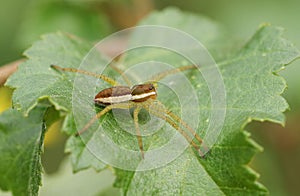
[(249, 96), (49, 16), (253, 91), (53, 49), (21, 140)]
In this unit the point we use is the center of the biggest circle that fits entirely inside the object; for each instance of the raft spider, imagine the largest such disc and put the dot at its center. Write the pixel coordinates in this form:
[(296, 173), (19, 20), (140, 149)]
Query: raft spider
[(137, 97)]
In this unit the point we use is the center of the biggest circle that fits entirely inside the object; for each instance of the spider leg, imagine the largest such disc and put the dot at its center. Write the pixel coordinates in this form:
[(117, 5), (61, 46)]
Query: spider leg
[(179, 129), (170, 72), (100, 76), (137, 128), (179, 120), (101, 113), (190, 129), (125, 78)]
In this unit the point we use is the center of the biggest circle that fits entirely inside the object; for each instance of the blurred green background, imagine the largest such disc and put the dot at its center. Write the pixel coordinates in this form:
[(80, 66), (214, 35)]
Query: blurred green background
[(22, 22)]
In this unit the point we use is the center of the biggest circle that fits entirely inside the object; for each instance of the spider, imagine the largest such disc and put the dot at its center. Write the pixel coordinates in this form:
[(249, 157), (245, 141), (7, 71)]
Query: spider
[(137, 97)]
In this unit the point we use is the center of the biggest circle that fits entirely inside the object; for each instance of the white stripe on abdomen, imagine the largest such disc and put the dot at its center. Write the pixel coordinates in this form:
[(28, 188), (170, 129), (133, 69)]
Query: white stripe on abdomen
[(117, 99)]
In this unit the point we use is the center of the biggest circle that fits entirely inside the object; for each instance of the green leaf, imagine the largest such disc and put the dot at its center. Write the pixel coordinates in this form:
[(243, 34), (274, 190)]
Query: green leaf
[(184, 176), (20, 148), (253, 91), (81, 157), (35, 80)]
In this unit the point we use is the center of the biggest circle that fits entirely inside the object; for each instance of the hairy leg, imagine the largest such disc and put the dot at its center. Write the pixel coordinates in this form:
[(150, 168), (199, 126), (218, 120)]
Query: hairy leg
[(177, 127), (101, 113), (164, 74), (179, 120), (125, 78), (100, 76), (137, 128)]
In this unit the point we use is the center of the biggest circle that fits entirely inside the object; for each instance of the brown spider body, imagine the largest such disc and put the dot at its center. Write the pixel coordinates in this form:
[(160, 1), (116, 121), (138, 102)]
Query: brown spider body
[(120, 94), (138, 97)]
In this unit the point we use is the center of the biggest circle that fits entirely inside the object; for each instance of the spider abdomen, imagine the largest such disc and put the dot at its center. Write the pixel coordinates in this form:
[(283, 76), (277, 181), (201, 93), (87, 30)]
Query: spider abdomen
[(112, 95)]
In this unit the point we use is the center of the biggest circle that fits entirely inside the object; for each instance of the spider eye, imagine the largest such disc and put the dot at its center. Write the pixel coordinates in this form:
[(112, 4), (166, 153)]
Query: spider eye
[(151, 87)]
